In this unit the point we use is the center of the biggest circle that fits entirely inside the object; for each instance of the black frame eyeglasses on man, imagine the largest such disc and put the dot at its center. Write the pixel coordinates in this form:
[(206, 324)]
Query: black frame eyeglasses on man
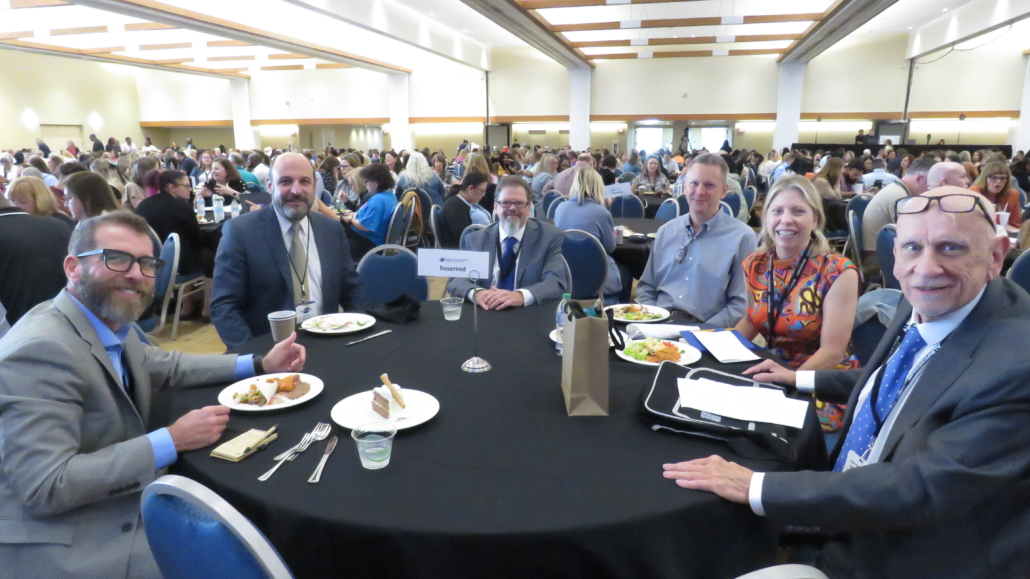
[(121, 261), (517, 204), (952, 203)]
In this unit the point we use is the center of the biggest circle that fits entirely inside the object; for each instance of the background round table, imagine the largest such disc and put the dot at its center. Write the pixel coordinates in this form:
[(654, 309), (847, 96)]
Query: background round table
[(501, 483)]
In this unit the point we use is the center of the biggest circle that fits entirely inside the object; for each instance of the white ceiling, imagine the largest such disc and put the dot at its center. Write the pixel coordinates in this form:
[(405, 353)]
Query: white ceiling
[(906, 15), (462, 19)]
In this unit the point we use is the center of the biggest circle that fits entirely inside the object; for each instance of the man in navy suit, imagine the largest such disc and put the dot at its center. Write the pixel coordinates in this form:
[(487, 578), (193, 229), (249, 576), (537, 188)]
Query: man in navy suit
[(281, 257)]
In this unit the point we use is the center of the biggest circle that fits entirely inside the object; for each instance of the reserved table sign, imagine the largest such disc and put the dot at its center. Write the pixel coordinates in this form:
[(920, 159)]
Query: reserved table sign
[(453, 263), (617, 190)]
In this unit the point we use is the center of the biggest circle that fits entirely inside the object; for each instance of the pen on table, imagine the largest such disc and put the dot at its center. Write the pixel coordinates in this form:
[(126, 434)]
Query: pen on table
[(263, 440)]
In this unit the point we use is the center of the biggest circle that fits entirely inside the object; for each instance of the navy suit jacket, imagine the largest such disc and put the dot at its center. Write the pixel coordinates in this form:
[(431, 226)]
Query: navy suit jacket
[(253, 279)]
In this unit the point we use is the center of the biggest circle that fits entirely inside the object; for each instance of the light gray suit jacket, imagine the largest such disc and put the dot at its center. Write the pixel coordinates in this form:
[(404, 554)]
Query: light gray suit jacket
[(74, 456), (541, 269), (951, 495)]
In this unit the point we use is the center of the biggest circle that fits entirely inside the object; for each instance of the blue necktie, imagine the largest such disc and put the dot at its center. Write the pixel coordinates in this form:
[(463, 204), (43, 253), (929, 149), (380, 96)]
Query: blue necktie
[(862, 433), (506, 278)]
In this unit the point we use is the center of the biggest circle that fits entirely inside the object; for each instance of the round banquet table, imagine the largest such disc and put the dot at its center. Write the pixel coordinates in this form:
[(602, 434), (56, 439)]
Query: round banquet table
[(501, 483)]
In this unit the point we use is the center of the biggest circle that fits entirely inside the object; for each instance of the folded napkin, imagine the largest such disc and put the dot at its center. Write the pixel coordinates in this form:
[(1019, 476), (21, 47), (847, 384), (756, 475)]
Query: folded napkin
[(660, 331), (724, 357), (400, 311), (244, 445)]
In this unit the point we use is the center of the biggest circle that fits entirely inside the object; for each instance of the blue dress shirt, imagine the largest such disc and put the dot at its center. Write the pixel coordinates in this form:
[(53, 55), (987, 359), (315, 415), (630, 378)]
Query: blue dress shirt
[(114, 344)]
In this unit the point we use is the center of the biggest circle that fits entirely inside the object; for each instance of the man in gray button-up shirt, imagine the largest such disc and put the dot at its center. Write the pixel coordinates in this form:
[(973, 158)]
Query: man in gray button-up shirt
[(696, 262)]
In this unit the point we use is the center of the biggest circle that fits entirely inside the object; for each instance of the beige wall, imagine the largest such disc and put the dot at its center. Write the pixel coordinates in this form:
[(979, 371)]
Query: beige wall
[(978, 80), (862, 73), (524, 82), (65, 91), (172, 96), (708, 85)]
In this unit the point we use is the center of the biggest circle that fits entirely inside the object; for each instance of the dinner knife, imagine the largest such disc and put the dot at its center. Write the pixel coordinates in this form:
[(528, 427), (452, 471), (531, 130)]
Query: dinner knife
[(325, 456), (383, 333)]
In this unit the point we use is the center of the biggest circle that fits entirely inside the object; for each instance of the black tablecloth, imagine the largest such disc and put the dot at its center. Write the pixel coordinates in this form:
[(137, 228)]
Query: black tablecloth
[(501, 483), (633, 254)]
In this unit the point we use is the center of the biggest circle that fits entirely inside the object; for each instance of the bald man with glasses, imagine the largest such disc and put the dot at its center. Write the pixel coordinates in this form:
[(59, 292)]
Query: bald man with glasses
[(931, 476)]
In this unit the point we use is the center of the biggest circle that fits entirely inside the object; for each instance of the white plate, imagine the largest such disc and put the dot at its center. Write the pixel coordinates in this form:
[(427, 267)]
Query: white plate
[(328, 320), (225, 396), (554, 338), (652, 309), (688, 354), (353, 411)]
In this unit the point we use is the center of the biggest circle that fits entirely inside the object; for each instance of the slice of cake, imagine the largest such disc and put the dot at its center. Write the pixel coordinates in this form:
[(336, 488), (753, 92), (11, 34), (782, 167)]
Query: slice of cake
[(387, 401)]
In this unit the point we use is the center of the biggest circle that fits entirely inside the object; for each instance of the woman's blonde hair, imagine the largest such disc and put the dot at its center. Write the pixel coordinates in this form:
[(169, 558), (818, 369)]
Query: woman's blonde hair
[(478, 162), (34, 187), (994, 168), (544, 165), (802, 185), (588, 185)]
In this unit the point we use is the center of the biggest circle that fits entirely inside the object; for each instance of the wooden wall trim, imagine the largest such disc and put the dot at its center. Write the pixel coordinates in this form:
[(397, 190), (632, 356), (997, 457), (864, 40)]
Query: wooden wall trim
[(953, 115), (183, 124)]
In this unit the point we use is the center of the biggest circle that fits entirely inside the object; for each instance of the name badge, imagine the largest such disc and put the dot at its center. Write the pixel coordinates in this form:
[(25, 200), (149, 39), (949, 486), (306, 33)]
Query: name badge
[(305, 311), (853, 461)]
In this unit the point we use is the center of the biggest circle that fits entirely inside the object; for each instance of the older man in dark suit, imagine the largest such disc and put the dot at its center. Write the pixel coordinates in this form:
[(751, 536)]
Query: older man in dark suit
[(282, 257), (525, 255), (931, 477)]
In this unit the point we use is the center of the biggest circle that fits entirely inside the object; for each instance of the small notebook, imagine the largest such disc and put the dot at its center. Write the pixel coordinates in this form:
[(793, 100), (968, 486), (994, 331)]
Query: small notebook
[(244, 445)]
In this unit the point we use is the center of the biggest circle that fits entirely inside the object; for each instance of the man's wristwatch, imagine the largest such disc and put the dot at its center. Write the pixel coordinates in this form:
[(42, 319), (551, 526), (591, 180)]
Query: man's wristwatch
[(258, 368)]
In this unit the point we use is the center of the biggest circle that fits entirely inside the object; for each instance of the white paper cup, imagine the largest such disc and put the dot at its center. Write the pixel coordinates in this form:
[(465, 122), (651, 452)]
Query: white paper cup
[(283, 324), (857, 188), (1001, 218)]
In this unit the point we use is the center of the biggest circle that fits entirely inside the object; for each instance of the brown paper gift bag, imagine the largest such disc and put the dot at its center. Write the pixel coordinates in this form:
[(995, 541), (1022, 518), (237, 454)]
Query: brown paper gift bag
[(584, 372)]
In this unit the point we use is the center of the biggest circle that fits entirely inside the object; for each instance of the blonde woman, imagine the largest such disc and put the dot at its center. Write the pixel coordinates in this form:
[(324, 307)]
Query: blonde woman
[(802, 296), (32, 196), (585, 210), (421, 176), (478, 162), (995, 183), (350, 190), (547, 168), (111, 174)]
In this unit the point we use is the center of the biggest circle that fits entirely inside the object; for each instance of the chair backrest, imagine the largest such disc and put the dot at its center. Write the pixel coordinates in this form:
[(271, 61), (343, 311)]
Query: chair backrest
[(627, 177), (398, 226), (414, 217), (1020, 271), (627, 206), (434, 223), (669, 209), (733, 200), (684, 204), (726, 208), (467, 230), (193, 532), (855, 241), (550, 198), (858, 203), (588, 263), (749, 196), (164, 283), (553, 208), (385, 278), (885, 255), (1022, 197)]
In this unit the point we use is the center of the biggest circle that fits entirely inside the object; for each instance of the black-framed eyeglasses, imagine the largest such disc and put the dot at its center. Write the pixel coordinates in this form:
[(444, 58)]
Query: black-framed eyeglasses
[(953, 203), (121, 261), (519, 204)]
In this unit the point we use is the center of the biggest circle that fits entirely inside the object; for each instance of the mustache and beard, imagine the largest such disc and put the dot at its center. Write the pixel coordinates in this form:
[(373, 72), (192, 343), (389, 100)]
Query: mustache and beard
[(292, 213), (99, 296)]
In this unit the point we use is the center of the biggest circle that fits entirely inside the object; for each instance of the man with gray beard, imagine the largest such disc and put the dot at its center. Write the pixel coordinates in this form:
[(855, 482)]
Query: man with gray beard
[(283, 257), (76, 384)]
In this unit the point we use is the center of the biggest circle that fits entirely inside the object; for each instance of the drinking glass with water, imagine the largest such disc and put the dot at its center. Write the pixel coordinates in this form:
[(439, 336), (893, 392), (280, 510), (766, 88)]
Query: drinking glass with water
[(375, 443)]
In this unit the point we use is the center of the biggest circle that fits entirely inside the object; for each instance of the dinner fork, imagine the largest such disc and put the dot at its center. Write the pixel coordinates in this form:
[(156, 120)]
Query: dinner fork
[(321, 432), (286, 453)]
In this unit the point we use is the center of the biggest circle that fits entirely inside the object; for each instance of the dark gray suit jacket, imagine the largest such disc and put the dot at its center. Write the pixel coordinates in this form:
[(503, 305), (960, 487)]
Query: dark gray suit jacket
[(541, 269), (253, 279), (951, 495)]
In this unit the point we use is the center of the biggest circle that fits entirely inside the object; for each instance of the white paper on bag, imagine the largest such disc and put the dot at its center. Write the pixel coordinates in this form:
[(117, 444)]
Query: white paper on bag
[(660, 331), (742, 402), (725, 347)]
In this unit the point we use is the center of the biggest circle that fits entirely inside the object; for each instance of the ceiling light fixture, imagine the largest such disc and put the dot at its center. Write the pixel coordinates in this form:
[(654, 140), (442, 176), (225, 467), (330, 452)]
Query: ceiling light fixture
[(945, 10), (910, 28)]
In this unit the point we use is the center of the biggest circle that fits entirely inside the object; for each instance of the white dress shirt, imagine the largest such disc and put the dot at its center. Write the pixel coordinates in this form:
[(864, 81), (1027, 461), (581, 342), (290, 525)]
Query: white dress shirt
[(933, 333), (527, 295), (314, 281)]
